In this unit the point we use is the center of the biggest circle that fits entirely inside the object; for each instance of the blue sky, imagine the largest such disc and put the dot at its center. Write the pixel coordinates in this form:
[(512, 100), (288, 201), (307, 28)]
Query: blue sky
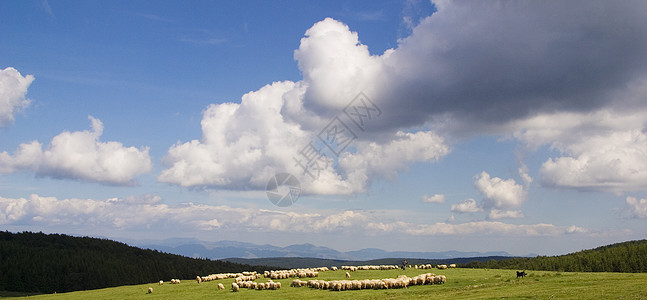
[(503, 126)]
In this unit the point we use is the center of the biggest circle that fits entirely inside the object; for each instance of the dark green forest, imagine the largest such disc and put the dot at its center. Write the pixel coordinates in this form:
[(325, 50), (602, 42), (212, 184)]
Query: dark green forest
[(47, 263), (627, 257)]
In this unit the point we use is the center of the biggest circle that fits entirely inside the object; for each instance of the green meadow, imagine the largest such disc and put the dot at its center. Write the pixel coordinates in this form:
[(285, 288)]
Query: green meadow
[(461, 284)]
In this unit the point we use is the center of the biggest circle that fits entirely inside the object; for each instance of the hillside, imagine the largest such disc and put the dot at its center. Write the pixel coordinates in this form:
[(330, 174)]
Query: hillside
[(629, 257), (46, 263)]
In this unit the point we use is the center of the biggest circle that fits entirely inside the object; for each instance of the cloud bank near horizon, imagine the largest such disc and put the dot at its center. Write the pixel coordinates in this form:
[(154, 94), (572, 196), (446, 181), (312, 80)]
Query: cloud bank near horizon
[(150, 212)]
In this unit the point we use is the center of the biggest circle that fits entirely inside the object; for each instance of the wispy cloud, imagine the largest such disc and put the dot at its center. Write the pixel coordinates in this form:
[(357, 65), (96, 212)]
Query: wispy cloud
[(369, 15), (204, 41), (152, 17), (437, 198), (47, 8)]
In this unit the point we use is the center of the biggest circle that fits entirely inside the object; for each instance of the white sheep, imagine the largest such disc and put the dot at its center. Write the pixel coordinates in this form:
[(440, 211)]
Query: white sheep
[(161, 282), (221, 286), (150, 290), (234, 287), (347, 275)]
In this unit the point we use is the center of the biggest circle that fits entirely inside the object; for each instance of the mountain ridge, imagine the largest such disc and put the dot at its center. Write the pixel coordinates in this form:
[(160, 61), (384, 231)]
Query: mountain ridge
[(226, 249)]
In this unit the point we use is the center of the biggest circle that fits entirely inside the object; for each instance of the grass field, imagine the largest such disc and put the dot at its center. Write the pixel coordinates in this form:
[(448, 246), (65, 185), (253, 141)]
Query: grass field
[(461, 284)]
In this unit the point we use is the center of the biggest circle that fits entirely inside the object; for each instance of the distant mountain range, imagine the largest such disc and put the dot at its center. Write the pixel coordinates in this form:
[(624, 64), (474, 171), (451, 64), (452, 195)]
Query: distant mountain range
[(233, 249)]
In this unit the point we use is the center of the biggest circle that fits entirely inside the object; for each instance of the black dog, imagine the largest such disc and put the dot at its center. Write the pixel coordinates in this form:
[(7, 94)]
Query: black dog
[(521, 274)]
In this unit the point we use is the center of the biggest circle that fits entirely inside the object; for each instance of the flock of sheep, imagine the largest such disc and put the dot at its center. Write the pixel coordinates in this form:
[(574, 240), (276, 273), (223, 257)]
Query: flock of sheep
[(402, 281), (246, 279), (301, 273), (429, 266), (369, 267), (269, 285), (245, 275)]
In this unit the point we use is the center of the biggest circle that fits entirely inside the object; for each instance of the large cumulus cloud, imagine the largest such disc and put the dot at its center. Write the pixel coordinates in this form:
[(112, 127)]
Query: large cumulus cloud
[(470, 68), (244, 144)]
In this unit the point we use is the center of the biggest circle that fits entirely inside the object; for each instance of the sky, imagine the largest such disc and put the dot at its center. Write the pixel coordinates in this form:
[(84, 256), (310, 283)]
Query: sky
[(515, 126)]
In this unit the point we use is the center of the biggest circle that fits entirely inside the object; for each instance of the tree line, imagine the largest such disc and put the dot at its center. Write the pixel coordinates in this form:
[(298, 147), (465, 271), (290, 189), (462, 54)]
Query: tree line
[(626, 257), (47, 263)]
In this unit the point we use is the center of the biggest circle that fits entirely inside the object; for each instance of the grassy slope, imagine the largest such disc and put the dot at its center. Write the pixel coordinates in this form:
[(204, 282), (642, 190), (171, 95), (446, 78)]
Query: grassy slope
[(461, 284)]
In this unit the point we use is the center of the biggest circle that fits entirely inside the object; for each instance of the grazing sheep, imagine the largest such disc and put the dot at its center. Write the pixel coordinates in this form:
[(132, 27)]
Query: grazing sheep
[(452, 266), (161, 282), (221, 286), (440, 279), (347, 275), (198, 279), (401, 281), (150, 290), (234, 287)]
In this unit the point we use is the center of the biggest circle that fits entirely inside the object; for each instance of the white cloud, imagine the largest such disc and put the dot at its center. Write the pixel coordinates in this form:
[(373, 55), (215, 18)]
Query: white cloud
[(13, 89), (610, 162), (605, 150), (478, 228), (244, 145), (496, 214), (150, 213), (436, 198), (638, 208), (80, 155), (501, 198), (335, 66), (385, 160), (499, 193), (466, 206)]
